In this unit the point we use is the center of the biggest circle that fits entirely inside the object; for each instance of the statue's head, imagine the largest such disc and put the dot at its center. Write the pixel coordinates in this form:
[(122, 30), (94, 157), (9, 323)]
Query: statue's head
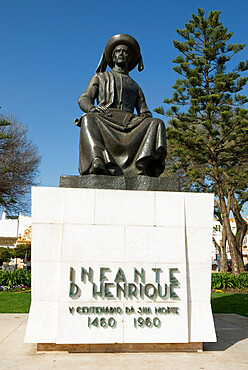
[(122, 56), (119, 48)]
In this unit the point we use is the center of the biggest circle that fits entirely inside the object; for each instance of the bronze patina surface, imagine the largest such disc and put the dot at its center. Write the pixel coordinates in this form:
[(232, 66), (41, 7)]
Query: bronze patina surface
[(141, 183), (114, 140)]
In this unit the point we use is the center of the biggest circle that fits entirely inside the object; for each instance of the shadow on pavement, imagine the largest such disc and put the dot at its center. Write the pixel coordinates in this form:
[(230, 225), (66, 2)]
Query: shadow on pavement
[(230, 329)]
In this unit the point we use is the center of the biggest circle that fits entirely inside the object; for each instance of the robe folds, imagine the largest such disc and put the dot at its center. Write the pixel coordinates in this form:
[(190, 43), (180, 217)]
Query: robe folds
[(127, 143)]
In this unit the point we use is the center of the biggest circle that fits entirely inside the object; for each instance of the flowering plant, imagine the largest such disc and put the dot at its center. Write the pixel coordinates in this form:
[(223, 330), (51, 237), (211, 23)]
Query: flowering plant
[(13, 288)]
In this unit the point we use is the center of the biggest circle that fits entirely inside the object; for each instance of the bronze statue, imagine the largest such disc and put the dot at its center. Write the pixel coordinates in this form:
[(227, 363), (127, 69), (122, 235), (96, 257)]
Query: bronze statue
[(114, 140)]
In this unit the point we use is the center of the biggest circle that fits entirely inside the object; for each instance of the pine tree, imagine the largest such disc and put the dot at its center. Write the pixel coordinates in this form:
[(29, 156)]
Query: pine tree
[(3, 123), (208, 130)]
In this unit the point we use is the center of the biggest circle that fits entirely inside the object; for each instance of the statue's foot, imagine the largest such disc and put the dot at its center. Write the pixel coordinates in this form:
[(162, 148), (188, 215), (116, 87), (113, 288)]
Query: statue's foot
[(97, 167)]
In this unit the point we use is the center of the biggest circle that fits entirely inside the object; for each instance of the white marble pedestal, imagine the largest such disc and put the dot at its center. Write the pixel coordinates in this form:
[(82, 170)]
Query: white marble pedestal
[(120, 268)]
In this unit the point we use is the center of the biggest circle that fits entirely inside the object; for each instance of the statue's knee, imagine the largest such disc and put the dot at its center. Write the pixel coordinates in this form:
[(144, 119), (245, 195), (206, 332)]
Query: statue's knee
[(157, 122), (87, 120)]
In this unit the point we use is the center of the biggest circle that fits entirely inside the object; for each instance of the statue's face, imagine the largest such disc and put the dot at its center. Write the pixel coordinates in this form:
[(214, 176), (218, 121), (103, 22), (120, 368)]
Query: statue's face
[(121, 56)]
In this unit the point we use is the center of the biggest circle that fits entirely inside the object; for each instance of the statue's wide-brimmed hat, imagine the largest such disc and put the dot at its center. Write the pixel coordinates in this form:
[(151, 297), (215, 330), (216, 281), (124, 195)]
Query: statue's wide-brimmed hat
[(121, 39)]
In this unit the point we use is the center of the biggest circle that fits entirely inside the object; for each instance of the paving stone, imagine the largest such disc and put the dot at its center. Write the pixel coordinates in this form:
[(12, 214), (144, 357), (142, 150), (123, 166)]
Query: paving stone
[(14, 354)]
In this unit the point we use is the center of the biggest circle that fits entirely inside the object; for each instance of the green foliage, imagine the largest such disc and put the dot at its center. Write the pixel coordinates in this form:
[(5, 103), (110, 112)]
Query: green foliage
[(23, 252), (17, 277), (3, 123), (208, 128), (228, 280), (210, 139), (5, 254)]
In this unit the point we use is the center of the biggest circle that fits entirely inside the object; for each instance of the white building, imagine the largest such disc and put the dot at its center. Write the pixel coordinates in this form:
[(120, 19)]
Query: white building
[(13, 227), (217, 234)]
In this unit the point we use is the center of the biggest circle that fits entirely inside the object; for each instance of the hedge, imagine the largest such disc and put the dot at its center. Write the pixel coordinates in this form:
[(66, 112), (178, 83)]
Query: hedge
[(17, 277), (228, 280)]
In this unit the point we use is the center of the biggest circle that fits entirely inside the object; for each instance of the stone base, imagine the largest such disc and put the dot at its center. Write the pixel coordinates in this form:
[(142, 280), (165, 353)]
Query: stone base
[(146, 183), (121, 347), (156, 238)]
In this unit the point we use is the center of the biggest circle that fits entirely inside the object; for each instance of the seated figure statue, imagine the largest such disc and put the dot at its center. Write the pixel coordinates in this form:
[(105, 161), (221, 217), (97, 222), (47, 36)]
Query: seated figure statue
[(114, 140)]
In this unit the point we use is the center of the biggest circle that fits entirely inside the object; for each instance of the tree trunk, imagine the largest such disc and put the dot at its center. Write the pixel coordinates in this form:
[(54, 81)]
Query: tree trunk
[(229, 235), (217, 246), (223, 263), (241, 231), (222, 253)]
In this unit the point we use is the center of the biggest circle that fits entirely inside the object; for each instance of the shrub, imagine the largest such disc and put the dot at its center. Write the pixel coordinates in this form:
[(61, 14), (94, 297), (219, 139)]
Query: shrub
[(17, 277), (228, 280)]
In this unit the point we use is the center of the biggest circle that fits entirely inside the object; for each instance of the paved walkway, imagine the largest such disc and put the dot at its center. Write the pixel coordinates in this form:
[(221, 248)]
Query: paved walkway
[(230, 352)]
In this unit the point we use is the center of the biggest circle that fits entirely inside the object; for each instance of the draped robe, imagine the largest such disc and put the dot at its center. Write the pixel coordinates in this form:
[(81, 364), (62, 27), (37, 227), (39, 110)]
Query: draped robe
[(127, 143)]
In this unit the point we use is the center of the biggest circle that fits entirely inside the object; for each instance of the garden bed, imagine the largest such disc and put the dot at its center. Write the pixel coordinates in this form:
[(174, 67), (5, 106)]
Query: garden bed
[(230, 290)]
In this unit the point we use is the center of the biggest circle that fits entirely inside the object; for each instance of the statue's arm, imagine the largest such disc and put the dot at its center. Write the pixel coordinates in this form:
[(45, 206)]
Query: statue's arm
[(86, 100), (141, 107)]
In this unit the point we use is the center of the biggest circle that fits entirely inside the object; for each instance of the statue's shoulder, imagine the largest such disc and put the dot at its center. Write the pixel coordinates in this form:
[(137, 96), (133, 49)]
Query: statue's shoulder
[(101, 77), (103, 74)]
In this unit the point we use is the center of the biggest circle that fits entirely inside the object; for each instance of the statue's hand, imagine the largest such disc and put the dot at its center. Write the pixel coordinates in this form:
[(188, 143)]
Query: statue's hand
[(148, 114), (101, 109)]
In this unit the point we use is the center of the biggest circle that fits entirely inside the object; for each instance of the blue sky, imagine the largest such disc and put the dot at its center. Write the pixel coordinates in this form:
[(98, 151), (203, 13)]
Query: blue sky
[(50, 50)]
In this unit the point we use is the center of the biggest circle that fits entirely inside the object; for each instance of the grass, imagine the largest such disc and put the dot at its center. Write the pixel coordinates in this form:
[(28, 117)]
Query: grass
[(230, 303), (19, 302), (15, 302)]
